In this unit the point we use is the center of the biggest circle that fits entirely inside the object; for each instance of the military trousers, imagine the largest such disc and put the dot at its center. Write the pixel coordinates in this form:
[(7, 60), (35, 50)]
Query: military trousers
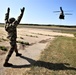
[(12, 49)]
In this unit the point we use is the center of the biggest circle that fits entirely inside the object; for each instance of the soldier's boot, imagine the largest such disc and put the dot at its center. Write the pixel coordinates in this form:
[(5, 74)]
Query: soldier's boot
[(6, 64), (19, 54), (16, 51)]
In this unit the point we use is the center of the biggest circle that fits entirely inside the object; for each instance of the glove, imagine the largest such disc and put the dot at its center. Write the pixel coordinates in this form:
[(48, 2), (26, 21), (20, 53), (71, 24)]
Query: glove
[(8, 9), (22, 10)]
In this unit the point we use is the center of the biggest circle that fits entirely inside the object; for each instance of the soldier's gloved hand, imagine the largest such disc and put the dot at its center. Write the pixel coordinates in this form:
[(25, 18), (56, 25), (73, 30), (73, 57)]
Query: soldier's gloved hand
[(22, 10), (8, 9)]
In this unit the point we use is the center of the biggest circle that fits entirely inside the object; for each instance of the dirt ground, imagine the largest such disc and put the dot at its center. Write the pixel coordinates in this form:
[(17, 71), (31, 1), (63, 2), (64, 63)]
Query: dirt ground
[(38, 38)]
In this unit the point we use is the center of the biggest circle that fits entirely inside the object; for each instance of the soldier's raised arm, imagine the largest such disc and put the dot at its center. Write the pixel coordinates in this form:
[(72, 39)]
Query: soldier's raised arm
[(7, 15), (21, 15)]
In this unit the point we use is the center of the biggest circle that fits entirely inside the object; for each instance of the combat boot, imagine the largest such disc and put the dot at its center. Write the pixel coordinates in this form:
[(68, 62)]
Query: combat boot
[(18, 54), (7, 65)]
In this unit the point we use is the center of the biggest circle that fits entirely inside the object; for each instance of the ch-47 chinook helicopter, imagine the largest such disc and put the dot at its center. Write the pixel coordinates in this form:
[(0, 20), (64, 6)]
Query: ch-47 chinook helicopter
[(62, 14)]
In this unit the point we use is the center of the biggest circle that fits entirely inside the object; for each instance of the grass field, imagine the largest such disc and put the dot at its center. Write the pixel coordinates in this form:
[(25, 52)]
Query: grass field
[(58, 59)]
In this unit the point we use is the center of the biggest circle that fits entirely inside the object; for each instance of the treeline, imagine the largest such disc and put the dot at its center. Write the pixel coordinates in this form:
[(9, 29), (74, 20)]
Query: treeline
[(71, 26)]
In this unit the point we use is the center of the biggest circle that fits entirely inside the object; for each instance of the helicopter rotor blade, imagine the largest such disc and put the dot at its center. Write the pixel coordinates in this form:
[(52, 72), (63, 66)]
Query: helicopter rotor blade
[(56, 11), (68, 11), (68, 14)]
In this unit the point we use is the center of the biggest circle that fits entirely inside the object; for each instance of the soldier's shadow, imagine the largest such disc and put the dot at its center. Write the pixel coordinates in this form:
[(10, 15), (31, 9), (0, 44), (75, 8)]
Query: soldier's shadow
[(48, 65)]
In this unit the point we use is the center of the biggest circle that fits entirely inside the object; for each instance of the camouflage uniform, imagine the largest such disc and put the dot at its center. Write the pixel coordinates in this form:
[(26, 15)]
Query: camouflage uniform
[(12, 32)]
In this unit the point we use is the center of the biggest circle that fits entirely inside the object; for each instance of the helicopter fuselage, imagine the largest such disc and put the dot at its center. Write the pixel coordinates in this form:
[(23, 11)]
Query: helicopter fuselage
[(61, 16)]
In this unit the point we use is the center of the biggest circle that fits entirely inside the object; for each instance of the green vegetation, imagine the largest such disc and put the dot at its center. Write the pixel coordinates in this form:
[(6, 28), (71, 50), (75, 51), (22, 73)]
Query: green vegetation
[(2, 39), (22, 42), (59, 58), (43, 25), (32, 36), (75, 34), (72, 26), (3, 48), (21, 38), (70, 32)]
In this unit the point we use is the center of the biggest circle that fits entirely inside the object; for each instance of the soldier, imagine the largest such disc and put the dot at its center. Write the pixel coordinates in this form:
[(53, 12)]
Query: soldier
[(10, 27)]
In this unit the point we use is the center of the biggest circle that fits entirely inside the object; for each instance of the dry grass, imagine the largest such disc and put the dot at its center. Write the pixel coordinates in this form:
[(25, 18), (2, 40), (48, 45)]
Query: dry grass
[(58, 59)]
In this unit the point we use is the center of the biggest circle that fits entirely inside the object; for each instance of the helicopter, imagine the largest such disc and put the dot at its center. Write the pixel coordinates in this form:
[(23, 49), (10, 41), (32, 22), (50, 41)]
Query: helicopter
[(62, 14)]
